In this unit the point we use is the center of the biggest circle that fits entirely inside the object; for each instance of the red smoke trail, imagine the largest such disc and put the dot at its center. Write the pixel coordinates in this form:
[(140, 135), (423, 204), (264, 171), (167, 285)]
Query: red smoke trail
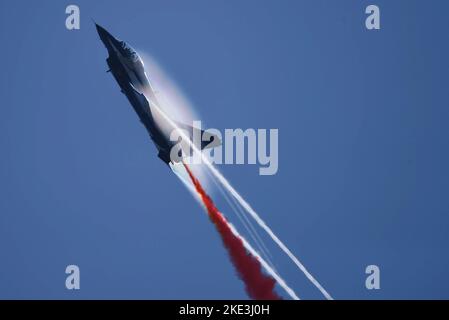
[(258, 285)]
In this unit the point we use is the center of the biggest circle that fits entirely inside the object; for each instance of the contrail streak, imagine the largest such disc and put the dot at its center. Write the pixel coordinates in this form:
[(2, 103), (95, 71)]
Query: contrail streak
[(264, 226), (279, 280), (258, 285), (245, 221), (246, 206)]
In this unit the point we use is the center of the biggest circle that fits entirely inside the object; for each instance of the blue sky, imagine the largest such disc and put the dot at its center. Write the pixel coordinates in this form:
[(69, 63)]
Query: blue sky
[(363, 147)]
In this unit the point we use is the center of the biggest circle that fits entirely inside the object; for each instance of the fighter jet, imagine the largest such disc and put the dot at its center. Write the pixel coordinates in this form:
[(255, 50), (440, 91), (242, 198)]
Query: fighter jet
[(128, 70)]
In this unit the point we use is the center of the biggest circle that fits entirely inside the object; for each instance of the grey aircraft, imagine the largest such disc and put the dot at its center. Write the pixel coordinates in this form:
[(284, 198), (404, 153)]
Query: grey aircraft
[(128, 70)]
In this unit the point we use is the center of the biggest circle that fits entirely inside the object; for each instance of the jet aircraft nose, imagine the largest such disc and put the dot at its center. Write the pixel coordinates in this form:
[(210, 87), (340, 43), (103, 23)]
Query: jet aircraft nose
[(104, 35)]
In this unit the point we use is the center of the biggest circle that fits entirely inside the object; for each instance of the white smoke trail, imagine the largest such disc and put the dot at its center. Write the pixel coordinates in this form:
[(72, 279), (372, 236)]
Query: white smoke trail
[(180, 172), (248, 247), (264, 264), (245, 204), (245, 221), (264, 226), (251, 225)]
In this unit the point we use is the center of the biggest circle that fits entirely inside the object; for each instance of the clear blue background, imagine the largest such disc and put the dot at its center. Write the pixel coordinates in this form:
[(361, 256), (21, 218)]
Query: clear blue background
[(363, 122)]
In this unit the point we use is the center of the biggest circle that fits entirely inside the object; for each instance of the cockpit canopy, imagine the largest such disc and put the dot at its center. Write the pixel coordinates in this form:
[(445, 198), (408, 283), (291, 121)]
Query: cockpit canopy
[(129, 51)]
